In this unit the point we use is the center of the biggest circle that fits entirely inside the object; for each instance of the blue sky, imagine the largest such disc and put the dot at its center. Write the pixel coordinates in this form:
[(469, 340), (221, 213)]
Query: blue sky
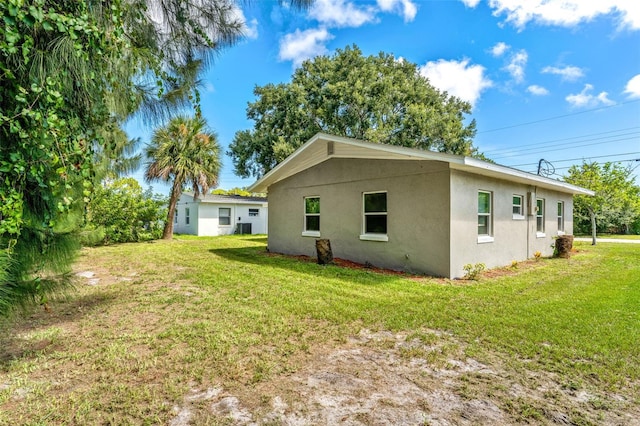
[(548, 79)]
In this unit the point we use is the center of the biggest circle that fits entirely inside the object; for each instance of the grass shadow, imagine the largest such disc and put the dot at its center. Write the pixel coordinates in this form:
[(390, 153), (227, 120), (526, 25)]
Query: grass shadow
[(25, 334), (341, 269)]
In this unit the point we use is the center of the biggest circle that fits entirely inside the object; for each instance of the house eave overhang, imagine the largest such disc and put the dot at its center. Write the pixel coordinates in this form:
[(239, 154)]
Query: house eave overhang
[(323, 147)]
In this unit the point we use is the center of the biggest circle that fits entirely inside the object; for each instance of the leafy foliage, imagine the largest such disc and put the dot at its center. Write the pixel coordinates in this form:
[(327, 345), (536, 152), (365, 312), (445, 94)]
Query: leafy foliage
[(186, 152), (122, 212), (52, 102), (473, 271), (233, 191), (377, 98), (71, 71), (615, 207)]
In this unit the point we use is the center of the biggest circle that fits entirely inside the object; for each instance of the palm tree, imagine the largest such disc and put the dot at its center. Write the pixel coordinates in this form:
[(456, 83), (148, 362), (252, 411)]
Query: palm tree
[(187, 152)]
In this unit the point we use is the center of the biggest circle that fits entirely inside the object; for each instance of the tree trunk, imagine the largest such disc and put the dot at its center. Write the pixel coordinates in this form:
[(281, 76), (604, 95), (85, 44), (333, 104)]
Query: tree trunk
[(323, 250), (176, 190), (593, 227), (564, 243)]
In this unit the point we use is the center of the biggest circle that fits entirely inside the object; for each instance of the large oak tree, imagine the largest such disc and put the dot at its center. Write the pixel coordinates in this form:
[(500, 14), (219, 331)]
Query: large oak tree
[(379, 98)]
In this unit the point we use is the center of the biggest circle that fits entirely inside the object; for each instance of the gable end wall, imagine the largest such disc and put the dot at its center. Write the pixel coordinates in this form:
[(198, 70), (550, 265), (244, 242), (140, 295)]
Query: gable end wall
[(417, 220)]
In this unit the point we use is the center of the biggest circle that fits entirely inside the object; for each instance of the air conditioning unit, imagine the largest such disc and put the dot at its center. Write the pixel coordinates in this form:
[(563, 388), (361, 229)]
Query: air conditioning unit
[(243, 228)]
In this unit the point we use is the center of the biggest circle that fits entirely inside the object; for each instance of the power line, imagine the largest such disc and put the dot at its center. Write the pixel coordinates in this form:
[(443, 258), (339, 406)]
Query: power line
[(558, 117), (562, 149), (568, 167), (566, 139), (581, 158)]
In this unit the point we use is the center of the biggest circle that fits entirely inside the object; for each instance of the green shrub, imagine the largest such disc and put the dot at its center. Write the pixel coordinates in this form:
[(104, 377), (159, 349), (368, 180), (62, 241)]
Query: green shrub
[(472, 272), (122, 212)]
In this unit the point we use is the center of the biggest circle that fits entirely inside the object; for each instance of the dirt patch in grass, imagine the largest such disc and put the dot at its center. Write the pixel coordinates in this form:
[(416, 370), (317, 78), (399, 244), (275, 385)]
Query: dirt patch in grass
[(385, 378)]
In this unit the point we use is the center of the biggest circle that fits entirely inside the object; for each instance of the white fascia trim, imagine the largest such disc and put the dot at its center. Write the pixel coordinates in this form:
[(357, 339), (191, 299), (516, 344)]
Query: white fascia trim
[(533, 179)]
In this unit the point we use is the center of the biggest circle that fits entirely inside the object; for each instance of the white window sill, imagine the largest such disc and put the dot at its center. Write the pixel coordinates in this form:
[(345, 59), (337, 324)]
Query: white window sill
[(560, 233), (485, 239), (374, 237), (540, 235), (518, 217), (310, 233)]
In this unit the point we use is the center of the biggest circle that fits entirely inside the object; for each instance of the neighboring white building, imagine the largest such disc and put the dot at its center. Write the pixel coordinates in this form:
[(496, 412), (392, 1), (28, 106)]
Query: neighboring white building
[(212, 215)]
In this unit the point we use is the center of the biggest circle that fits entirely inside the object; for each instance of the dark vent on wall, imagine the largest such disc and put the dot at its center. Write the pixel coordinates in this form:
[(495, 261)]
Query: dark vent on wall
[(330, 148)]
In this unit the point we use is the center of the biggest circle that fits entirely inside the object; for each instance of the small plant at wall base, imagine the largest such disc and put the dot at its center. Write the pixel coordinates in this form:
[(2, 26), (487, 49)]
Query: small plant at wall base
[(472, 272), (537, 255)]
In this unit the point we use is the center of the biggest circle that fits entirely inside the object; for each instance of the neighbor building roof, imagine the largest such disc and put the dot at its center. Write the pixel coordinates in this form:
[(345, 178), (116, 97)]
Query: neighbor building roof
[(323, 147), (228, 199)]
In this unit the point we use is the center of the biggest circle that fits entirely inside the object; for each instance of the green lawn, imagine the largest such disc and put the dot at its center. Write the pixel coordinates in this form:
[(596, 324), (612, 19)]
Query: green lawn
[(613, 236), (167, 317)]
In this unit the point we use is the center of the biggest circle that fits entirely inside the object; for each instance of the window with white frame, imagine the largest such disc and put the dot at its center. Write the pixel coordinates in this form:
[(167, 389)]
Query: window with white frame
[(254, 212), (375, 212), (518, 206), (186, 216), (485, 219), (224, 216), (312, 216), (560, 217), (540, 216), (175, 216)]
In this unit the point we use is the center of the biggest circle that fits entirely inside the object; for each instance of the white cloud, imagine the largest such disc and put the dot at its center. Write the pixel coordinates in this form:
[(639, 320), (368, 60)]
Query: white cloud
[(516, 65), (566, 13), (341, 13), (534, 89), (457, 78), (250, 29), (633, 87), (568, 73), (499, 49), (406, 8), (302, 45), (586, 99), (471, 3)]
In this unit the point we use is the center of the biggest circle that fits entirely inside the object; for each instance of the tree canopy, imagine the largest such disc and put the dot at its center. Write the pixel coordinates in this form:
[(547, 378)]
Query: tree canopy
[(186, 153), (379, 98), (616, 203)]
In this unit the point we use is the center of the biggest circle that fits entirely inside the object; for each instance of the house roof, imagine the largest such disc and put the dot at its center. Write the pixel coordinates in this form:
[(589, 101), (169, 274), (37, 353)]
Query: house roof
[(323, 147), (228, 199)]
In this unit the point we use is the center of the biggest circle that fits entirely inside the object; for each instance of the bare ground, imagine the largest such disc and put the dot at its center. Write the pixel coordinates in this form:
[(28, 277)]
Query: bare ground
[(384, 378)]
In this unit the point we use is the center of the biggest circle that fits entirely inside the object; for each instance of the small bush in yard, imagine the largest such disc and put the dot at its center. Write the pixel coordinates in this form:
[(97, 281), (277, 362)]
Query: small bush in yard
[(472, 272), (121, 212)]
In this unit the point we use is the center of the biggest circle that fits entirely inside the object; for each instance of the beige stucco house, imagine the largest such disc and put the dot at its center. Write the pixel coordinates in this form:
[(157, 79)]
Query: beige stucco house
[(412, 210), (212, 215)]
